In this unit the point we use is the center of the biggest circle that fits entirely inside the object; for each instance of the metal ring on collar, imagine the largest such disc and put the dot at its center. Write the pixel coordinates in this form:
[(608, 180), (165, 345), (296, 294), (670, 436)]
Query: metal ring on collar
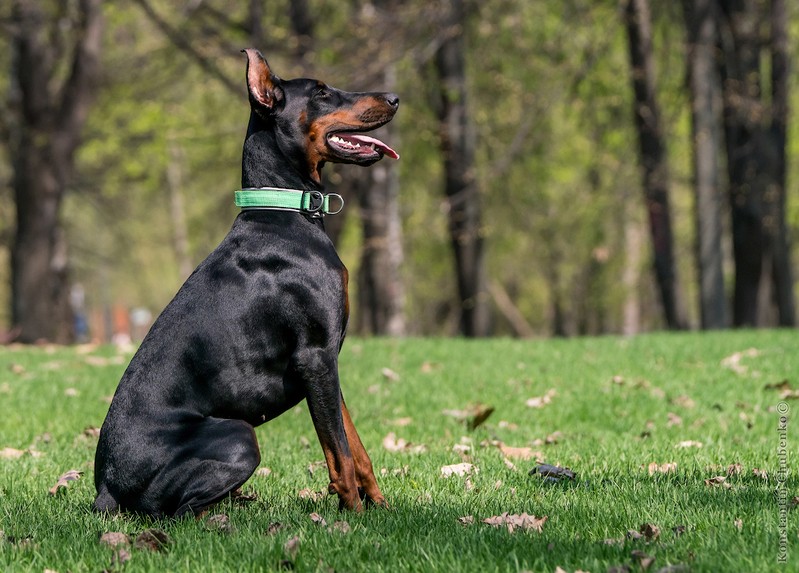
[(340, 204)]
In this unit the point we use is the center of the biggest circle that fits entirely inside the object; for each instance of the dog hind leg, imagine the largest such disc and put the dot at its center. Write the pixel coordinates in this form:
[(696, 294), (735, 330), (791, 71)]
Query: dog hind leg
[(225, 456)]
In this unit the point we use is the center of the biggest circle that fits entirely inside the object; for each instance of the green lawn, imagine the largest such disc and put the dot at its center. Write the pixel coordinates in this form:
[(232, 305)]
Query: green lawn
[(610, 407)]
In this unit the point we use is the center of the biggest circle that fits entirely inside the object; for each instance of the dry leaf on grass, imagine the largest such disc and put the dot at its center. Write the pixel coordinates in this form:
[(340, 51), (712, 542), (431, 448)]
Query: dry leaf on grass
[(674, 420), (473, 416), (650, 531), (762, 474), (689, 444), (390, 375), (718, 481), (318, 519), (219, 522), (733, 362), (341, 527), (263, 472), (114, 539), (739, 524), (667, 468), (734, 469), (644, 560), (11, 453), (552, 472), (459, 470), (541, 401), (274, 527), (91, 432), (152, 540), (392, 444), (292, 547), (310, 495), (520, 453), (522, 521), (64, 479), (466, 520)]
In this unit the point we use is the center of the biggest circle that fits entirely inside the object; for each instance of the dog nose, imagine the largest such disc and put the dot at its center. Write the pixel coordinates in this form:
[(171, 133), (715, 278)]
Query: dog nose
[(392, 100)]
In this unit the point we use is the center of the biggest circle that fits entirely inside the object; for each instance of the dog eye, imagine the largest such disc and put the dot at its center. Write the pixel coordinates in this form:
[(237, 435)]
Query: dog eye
[(323, 93)]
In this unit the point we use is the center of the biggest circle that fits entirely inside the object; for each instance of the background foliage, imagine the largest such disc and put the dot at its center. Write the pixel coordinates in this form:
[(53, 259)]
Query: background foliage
[(563, 215)]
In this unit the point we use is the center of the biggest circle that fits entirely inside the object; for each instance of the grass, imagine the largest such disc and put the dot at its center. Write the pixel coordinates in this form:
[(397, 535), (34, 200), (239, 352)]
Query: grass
[(619, 405)]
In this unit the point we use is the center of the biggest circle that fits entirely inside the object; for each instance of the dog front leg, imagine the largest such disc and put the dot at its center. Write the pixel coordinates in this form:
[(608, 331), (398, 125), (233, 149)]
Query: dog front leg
[(324, 402), (363, 465)]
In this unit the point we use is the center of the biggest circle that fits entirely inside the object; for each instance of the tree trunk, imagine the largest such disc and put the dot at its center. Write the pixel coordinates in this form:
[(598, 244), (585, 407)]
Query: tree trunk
[(755, 140), (457, 146), (45, 133), (782, 273), (705, 91), (653, 159)]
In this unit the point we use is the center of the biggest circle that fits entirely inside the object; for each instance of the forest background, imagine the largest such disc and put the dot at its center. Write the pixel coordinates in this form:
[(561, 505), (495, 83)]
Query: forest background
[(568, 166)]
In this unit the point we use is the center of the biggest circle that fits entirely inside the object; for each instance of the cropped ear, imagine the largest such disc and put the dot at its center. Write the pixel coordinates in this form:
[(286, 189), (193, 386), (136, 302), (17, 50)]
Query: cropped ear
[(262, 84)]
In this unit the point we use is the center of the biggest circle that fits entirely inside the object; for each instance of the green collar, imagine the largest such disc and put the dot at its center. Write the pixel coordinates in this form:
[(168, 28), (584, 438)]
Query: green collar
[(313, 203)]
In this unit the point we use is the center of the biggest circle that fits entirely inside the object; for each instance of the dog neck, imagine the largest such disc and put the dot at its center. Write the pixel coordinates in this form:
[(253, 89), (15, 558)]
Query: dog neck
[(261, 150)]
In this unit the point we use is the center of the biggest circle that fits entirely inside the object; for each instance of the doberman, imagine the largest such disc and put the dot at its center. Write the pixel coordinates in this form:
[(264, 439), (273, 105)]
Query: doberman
[(256, 328)]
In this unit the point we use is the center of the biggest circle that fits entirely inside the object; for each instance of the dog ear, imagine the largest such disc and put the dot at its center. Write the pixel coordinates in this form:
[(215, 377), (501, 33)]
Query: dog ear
[(262, 84)]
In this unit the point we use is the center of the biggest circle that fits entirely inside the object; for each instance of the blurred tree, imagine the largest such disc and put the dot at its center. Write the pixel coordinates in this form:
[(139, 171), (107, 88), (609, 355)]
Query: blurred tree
[(653, 158), (55, 69), (752, 35), (461, 185), (705, 94)]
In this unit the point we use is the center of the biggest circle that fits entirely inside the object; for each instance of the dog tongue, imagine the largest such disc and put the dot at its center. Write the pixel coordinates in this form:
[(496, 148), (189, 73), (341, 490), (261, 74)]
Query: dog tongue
[(376, 142)]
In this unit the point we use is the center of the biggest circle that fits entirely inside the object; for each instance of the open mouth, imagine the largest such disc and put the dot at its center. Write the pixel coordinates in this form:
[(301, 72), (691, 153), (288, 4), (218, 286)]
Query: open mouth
[(359, 147)]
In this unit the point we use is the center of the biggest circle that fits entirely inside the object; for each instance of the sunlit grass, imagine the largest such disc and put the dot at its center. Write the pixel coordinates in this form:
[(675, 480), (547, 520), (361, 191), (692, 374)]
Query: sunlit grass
[(618, 406)]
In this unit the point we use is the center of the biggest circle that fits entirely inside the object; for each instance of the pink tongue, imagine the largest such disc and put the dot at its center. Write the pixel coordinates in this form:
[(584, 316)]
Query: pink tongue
[(376, 142)]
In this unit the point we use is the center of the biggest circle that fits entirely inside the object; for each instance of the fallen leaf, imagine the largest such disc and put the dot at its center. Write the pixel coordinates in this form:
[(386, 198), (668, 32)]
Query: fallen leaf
[(466, 520), (152, 540), (783, 386), (11, 453), (392, 444), (114, 539), (739, 525), (520, 453), (678, 530), (17, 368), (341, 527), (219, 522), (689, 444), (550, 471), (667, 468), (120, 556), (459, 470), (634, 535), (390, 375), (734, 469), (402, 422), (318, 519), (718, 480), (71, 392), (674, 420), (733, 362), (311, 495), (473, 416), (274, 527), (541, 401), (263, 472), (64, 479), (684, 401), (522, 521), (91, 432), (292, 547), (644, 560), (650, 531), (762, 474), (428, 367)]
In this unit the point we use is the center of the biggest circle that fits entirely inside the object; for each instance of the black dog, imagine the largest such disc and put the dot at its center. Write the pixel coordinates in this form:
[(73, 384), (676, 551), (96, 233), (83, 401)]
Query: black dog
[(257, 327)]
